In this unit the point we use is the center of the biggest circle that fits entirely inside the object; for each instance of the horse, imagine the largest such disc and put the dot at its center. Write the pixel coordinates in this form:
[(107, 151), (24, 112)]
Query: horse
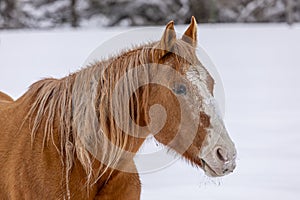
[(76, 138)]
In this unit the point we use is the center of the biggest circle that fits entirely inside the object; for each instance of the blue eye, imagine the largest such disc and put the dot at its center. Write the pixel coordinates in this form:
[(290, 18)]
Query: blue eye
[(180, 89)]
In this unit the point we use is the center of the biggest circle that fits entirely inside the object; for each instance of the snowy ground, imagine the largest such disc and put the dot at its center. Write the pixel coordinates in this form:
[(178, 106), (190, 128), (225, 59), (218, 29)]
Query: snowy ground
[(260, 67)]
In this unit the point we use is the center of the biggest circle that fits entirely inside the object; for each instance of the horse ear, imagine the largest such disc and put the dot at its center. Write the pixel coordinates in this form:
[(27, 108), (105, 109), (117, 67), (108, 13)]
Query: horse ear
[(168, 39), (190, 35)]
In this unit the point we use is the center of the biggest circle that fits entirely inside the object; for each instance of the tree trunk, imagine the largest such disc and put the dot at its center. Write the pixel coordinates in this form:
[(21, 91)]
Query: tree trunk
[(74, 16), (289, 11)]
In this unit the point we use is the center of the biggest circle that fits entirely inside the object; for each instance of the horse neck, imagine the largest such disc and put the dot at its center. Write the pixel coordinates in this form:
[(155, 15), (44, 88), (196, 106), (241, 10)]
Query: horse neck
[(92, 96), (60, 110), (69, 103)]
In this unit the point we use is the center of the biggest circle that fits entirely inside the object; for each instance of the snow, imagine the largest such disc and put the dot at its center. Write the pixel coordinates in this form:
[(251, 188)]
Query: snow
[(260, 68)]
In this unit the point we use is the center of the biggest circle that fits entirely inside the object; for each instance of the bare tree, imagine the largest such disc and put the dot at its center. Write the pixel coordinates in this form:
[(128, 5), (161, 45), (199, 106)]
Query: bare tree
[(74, 16), (204, 11), (289, 11), (9, 14)]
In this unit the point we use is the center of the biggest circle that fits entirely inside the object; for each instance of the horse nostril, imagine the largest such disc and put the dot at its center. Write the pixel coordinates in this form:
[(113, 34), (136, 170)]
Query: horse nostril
[(221, 155), (225, 170)]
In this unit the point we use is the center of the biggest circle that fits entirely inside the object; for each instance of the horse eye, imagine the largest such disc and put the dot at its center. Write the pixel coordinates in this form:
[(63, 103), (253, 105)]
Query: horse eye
[(180, 89)]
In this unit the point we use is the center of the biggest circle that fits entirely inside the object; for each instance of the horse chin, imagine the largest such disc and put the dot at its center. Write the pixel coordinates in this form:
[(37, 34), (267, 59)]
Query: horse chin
[(209, 171)]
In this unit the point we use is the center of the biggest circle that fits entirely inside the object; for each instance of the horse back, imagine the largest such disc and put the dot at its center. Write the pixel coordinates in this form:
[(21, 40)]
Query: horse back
[(5, 98)]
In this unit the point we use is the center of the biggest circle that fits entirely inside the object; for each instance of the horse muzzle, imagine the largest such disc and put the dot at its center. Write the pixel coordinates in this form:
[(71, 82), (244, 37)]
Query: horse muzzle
[(219, 164), (218, 155)]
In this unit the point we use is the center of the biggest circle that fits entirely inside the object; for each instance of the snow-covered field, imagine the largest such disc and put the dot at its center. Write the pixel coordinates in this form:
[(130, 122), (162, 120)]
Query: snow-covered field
[(260, 68)]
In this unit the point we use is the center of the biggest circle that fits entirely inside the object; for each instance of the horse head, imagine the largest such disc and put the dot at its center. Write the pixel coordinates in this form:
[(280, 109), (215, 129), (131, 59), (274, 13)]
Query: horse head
[(192, 124)]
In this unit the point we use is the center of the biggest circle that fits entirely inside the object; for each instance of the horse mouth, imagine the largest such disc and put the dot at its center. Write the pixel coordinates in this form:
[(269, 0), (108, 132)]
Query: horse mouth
[(209, 170)]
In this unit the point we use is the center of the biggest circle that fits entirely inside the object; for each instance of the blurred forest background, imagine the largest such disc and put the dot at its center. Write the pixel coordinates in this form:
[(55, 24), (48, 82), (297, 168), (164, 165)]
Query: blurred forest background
[(44, 14)]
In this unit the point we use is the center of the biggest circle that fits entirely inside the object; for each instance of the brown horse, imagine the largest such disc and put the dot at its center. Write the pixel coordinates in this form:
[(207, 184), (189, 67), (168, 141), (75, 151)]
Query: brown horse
[(75, 137)]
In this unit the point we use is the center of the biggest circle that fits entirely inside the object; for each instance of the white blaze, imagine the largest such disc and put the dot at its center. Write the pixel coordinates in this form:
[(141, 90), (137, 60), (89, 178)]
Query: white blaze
[(216, 132)]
